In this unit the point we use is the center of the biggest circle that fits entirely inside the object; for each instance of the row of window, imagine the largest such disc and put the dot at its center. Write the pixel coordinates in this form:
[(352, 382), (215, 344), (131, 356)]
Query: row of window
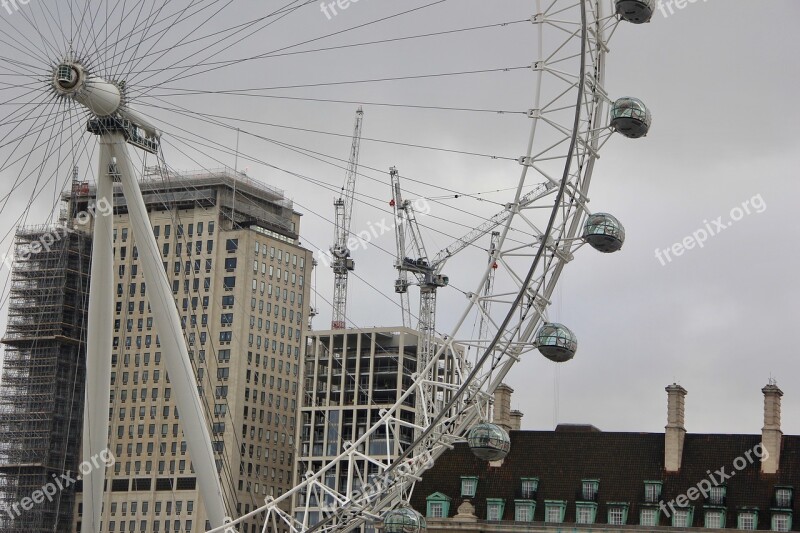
[(278, 310), (145, 507), (169, 525), (145, 377), (438, 506), (186, 528), (196, 247), (137, 359), (276, 347), (135, 467), (229, 283), (586, 509), (179, 230), (254, 470), (272, 272), (122, 411), (223, 356), (188, 267), (162, 448), (280, 255)]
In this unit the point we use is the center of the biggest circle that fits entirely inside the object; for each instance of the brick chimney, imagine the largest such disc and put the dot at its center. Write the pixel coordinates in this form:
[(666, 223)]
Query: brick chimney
[(771, 433), (502, 406), (516, 420), (675, 432)]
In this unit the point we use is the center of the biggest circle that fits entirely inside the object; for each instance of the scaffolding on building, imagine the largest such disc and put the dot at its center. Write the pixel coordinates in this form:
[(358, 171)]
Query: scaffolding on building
[(243, 201), (42, 393)]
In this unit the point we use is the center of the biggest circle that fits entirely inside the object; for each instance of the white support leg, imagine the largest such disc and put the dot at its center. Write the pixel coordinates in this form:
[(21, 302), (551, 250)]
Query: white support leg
[(98, 345), (168, 325)]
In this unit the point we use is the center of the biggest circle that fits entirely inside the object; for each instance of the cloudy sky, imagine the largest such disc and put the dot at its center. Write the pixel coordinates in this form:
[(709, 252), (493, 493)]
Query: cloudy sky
[(719, 76)]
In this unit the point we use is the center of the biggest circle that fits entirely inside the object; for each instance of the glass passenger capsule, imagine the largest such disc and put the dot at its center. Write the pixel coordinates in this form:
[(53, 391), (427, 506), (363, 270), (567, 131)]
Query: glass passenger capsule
[(556, 342), (604, 233), (630, 117), (404, 520), (489, 442), (636, 11)]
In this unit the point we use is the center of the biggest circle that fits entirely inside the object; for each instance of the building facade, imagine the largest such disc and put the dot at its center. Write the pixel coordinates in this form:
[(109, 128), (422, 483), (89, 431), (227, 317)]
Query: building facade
[(348, 377), (240, 279), (582, 479), (42, 393)]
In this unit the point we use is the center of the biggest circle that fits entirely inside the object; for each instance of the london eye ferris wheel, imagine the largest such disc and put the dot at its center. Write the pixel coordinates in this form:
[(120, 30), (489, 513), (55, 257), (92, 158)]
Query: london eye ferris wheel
[(116, 87)]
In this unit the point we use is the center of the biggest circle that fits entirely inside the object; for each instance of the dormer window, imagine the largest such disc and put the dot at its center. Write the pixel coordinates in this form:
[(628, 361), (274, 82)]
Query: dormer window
[(438, 505), (585, 512), (652, 491), (523, 510), (716, 496), (589, 489), (494, 509), (554, 511), (715, 518), (748, 519), (529, 486), (781, 521), (683, 517), (617, 513), (469, 484), (649, 516), (783, 497)]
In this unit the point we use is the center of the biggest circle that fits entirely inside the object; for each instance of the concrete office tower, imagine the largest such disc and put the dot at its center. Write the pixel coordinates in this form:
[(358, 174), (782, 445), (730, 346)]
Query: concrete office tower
[(41, 398), (348, 377), (230, 246)]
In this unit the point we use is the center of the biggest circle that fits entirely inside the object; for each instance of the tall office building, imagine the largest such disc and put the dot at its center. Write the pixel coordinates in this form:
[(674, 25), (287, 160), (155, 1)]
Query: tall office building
[(41, 398), (349, 376), (240, 279)]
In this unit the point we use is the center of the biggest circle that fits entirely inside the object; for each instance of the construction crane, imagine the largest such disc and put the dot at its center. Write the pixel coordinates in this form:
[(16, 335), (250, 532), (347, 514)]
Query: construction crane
[(341, 262), (410, 256), (401, 285), (412, 259), (403, 211)]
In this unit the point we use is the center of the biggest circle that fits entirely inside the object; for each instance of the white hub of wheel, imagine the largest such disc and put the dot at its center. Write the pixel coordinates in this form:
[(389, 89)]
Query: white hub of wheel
[(101, 97)]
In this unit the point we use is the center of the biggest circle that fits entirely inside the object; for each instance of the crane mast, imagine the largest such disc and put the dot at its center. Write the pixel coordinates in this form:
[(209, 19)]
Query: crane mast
[(412, 259), (401, 285), (341, 262)]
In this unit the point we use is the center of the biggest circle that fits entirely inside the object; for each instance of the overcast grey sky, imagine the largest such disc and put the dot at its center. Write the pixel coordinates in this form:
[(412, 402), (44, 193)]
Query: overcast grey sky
[(720, 78)]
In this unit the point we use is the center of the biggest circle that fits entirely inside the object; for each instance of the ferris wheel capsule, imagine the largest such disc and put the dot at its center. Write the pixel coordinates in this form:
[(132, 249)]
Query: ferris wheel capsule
[(636, 11), (556, 342), (630, 117), (604, 233), (404, 520), (489, 442)]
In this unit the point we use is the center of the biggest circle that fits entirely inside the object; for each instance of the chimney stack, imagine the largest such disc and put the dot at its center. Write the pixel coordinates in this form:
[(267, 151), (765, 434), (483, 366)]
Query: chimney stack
[(502, 406), (516, 420), (675, 430), (771, 433)]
